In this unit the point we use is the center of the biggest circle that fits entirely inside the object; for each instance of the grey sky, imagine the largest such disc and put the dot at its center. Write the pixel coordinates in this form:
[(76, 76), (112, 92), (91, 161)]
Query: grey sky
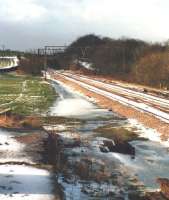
[(26, 24)]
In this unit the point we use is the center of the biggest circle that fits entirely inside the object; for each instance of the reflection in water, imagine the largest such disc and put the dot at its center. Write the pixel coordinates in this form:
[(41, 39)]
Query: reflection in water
[(151, 159)]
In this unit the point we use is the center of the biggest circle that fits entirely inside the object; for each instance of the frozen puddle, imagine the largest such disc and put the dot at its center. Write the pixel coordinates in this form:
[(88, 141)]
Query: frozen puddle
[(73, 104), (79, 108), (151, 159), (73, 107), (78, 190), (23, 182)]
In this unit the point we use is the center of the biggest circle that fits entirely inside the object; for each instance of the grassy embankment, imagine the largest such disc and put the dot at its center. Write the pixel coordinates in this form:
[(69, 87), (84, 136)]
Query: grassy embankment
[(25, 95)]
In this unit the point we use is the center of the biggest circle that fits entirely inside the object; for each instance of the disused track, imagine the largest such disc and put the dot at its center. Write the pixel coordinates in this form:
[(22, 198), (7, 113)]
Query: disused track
[(158, 107)]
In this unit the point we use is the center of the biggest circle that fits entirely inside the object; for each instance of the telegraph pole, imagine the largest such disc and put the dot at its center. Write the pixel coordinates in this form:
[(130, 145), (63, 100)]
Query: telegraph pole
[(45, 62), (3, 50), (124, 58)]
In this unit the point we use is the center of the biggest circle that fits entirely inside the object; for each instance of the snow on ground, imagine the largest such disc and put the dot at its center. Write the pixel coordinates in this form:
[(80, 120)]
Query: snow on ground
[(151, 158), (78, 190), (141, 106), (158, 100), (7, 143), (22, 182), (148, 133), (73, 107), (73, 103), (10, 149), (86, 65), (72, 189), (71, 90), (19, 181), (57, 127)]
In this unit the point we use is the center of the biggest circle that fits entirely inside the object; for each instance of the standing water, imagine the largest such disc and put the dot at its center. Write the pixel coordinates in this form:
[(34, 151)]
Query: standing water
[(72, 104), (125, 175)]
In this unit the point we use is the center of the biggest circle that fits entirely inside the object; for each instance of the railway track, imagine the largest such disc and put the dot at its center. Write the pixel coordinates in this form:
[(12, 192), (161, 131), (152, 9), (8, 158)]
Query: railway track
[(154, 101), (158, 107), (135, 96), (123, 91)]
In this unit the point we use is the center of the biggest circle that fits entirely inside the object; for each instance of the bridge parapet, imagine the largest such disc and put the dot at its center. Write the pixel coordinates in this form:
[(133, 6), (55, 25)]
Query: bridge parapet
[(8, 62)]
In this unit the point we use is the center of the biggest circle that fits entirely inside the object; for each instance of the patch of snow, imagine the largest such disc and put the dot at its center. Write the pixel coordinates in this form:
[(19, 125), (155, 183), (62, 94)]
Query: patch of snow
[(73, 107), (58, 127), (27, 183), (78, 190), (69, 135), (74, 104), (86, 65), (72, 189), (148, 133), (71, 90), (150, 162), (10, 149), (151, 158)]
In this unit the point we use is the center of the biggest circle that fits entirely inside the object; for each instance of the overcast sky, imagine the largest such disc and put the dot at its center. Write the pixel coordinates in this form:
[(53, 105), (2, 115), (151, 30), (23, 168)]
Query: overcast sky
[(26, 24)]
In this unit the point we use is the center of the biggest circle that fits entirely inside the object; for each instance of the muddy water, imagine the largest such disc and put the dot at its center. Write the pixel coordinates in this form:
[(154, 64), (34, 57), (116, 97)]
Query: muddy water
[(125, 176)]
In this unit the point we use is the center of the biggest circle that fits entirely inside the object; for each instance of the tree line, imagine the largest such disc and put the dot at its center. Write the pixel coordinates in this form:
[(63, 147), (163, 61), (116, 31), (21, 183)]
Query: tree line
[(125, 58)]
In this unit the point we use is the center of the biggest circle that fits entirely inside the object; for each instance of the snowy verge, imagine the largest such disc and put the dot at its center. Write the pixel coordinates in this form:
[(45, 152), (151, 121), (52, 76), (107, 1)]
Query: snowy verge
[(11, 150), (22, 182), (148, 133)]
